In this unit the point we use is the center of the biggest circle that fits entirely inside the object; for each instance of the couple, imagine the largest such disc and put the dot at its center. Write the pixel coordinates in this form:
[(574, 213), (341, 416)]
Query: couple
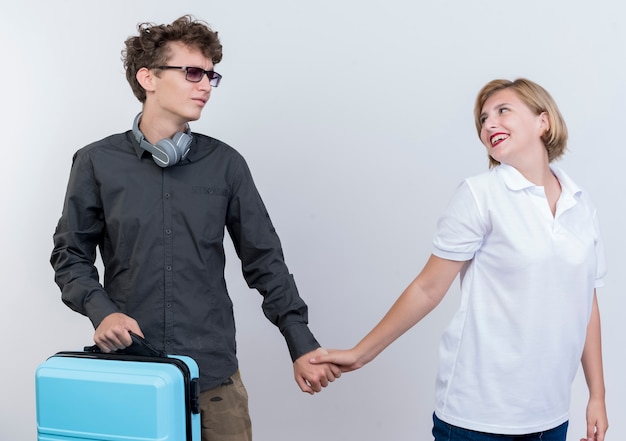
[(156, 200)]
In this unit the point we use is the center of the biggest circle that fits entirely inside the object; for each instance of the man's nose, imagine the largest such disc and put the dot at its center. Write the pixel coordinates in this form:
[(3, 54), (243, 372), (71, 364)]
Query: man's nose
[(205, 82)]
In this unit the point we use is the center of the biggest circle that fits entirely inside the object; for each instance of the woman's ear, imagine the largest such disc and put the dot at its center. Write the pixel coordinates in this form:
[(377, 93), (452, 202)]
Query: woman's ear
[(544, 122)]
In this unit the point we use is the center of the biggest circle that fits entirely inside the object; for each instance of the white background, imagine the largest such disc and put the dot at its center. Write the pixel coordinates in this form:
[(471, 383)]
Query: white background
[(356, 119)]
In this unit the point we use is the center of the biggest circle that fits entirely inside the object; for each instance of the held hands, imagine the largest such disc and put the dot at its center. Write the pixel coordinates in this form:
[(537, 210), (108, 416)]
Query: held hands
[(113, 332), (346, 360), (313, 377)]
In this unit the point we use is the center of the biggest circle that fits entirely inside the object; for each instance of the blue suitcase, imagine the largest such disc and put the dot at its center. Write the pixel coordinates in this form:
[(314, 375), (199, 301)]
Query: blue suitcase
[(95, 396)]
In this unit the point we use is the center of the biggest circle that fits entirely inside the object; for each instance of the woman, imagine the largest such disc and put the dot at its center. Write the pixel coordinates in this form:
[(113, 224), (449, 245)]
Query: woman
[(525, 240)]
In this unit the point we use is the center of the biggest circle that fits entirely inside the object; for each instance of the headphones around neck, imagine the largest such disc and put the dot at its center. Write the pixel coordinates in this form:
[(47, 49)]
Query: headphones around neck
[(167, 152)]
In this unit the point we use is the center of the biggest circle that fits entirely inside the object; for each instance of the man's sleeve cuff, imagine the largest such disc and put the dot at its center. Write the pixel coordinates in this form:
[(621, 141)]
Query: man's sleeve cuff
[(300, 340)]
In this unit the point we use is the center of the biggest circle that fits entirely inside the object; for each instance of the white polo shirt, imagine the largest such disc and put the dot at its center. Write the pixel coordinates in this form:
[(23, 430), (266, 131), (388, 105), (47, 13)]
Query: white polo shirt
[(508, 358)]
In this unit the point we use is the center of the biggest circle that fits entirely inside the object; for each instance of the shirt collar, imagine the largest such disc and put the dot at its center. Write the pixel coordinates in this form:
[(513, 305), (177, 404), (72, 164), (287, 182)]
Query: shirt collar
[(138, 150), (515, 181), (567, 185)]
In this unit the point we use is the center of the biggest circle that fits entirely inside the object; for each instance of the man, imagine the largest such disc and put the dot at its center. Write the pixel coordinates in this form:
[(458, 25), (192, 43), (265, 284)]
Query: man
[(156, 200)]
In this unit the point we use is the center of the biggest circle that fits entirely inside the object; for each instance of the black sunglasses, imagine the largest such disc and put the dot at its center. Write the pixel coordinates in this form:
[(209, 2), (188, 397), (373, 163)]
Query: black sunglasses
[(195, 74)]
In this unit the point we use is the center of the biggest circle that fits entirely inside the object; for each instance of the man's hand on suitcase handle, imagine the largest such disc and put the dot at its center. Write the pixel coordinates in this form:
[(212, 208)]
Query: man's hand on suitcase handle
[(113, 332)]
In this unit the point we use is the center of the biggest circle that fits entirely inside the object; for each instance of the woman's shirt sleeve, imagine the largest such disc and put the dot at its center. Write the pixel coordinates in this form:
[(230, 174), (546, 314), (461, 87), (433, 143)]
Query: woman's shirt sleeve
[(461, 228)]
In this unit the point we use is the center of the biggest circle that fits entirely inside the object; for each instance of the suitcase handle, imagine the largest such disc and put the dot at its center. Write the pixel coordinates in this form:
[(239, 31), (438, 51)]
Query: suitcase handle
[(139, 346)]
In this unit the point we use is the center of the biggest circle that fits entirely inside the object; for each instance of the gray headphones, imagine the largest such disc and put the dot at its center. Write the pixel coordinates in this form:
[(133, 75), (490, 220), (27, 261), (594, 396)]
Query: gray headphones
[(167, 152)]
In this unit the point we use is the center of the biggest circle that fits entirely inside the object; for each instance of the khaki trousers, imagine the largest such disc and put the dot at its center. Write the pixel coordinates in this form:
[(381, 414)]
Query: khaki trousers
[(224, 412)]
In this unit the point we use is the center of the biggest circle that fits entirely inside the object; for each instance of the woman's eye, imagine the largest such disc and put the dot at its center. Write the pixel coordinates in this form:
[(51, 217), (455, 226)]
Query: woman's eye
[(504, 109)]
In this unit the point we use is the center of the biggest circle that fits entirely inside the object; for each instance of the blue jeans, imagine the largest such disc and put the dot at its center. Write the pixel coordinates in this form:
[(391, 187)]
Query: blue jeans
[(446, 432)]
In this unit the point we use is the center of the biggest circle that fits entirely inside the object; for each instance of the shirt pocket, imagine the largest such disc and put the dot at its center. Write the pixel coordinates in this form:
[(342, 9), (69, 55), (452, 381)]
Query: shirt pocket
[(205, 214)]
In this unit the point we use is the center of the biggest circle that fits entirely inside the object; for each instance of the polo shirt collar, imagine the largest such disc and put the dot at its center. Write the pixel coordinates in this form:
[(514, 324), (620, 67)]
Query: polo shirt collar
[(567, 185), (515, 181)]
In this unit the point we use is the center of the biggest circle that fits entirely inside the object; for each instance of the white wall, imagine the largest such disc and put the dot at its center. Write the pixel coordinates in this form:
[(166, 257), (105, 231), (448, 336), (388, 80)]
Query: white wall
[(356, 119)]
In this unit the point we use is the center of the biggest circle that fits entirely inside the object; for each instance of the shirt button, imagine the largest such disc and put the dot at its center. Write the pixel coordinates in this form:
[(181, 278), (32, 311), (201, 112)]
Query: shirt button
[(168, 231), (166, 195), (168, 267), (169, 305)]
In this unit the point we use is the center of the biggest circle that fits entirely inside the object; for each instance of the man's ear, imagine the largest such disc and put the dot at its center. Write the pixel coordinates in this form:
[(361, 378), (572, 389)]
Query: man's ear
[(145, 77)]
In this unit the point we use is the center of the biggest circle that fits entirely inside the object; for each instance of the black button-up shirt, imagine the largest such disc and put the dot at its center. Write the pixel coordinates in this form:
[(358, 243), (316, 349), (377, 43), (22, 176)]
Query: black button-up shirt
[(160, 233)]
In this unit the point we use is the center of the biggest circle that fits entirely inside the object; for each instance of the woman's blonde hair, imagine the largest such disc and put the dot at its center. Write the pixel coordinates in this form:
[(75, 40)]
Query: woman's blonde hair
[(539, 101)]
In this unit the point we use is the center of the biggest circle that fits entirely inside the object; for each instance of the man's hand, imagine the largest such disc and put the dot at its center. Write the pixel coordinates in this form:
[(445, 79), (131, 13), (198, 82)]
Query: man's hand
[(113, 332), (312, 378)]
